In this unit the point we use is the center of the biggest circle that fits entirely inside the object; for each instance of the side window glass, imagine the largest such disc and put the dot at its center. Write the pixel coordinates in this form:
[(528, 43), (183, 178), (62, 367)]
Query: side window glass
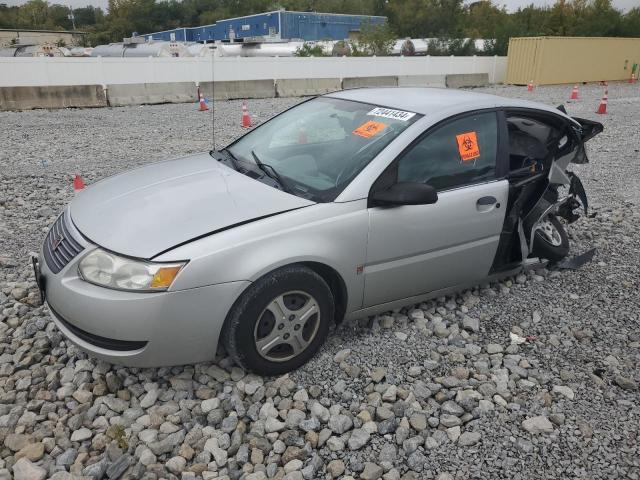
[(532, 141), (458, 153)]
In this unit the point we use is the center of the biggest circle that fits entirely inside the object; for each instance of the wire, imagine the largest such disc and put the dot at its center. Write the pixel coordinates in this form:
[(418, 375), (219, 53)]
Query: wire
[(213, 110)]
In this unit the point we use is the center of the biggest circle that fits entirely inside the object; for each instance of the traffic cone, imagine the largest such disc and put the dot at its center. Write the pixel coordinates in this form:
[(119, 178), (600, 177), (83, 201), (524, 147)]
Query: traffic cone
[(602, 108), (574, 93), (246, 119), (203, 104), (78, 183), (530, 86)]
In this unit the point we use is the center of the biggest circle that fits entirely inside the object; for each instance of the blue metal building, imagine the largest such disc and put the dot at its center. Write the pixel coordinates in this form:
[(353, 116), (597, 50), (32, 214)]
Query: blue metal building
[(280, 25)]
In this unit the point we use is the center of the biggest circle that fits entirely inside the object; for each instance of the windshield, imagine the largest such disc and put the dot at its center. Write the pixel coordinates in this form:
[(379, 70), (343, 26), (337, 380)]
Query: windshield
[(319, 146)]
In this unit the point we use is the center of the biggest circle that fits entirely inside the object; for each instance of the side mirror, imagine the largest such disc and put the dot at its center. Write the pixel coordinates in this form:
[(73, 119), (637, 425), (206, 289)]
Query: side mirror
[(406, 193)]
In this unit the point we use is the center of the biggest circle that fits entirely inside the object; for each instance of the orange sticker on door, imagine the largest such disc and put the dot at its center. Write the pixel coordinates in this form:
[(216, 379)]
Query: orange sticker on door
[(369, 129), (468, 146)]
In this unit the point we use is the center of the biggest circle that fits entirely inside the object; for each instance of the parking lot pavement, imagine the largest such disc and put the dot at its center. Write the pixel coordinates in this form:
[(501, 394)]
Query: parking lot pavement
[(435, 390)]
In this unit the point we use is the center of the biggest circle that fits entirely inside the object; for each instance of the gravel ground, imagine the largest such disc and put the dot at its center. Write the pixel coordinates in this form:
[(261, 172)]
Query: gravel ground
[(436, 390)]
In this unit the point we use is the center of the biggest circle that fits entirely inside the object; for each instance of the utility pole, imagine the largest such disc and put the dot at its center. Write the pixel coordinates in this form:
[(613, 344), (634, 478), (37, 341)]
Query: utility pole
[(72, 17)]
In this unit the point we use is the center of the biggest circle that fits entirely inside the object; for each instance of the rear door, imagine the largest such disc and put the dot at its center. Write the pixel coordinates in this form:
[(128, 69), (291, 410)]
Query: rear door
[(416, 249)]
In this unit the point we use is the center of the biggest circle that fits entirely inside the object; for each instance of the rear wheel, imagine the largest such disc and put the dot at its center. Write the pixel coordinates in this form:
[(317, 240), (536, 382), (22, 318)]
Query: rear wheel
[(280, 321), (550, 240)]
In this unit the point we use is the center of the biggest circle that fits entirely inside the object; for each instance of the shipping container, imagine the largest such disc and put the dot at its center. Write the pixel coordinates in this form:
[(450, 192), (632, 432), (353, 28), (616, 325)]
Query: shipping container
[(557, 60)]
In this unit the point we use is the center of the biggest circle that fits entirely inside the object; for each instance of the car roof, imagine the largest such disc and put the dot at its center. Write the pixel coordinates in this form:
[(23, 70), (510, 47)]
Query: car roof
[(428, 101)]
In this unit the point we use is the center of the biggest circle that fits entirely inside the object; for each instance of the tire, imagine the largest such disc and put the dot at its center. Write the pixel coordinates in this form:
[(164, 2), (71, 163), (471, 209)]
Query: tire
[(254, 336), (550, 240)]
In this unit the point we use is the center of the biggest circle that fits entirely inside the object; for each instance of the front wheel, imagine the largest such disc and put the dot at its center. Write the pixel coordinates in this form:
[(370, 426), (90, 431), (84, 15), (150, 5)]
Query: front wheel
[(550, 240), (280, 321)]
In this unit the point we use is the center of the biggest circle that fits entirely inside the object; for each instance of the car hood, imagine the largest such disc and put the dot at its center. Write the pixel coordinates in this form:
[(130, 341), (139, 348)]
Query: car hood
[(151, 209)]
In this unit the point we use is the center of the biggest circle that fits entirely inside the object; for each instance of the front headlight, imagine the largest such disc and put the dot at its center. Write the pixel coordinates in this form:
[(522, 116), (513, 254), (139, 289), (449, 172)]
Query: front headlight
[(112, 271)]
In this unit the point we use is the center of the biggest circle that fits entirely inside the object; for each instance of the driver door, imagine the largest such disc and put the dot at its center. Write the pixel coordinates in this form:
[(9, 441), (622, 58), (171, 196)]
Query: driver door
[(416, 249)]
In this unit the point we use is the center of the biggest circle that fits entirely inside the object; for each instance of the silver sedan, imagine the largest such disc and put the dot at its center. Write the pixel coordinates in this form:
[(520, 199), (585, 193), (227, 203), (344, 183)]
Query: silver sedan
[(343, 206)]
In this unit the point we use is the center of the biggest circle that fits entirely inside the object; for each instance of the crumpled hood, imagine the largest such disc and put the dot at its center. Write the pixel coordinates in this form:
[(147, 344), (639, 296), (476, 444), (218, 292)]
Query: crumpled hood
[(149, 210)]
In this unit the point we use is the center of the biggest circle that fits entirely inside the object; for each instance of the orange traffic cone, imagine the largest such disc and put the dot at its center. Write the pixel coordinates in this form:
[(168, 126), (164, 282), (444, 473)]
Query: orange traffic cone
[(246, 119), (78, 183), (574, 93), (203, 104), (530, 86), (602, 108)]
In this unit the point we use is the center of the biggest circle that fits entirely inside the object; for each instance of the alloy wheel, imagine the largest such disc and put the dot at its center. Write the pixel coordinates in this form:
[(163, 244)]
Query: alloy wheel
[(287, 326)]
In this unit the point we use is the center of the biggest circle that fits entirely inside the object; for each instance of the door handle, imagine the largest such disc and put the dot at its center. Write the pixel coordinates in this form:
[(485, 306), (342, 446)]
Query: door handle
[(485, 201)]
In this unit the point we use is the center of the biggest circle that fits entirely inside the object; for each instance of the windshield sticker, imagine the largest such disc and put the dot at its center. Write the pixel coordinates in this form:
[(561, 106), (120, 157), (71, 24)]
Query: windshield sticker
[(389, 113), (468, 146), (369, 129)]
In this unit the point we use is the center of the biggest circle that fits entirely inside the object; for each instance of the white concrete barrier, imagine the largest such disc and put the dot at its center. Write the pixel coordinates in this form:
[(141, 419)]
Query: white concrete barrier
[(300, 87), (48, 71), (132, 81)]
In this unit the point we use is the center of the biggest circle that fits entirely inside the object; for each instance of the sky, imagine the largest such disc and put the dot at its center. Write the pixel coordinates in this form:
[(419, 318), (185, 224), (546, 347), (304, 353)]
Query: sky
[(510, 4)]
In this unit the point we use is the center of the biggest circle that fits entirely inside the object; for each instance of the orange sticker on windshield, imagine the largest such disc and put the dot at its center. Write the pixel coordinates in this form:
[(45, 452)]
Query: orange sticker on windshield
[(369, 129), (468, 146)]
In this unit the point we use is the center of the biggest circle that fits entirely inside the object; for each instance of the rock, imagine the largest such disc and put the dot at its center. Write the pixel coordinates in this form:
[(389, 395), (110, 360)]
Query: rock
[(220, 456), (452, 408), (494, 348), (293, 465), (536, 425), (335, 444), (378, 374), (176, 464), (23, 469), (449, 420), (67, 457), (418, 421), (340, 424), (218, 374), (149, 398), (320, 412), (453, 433), (564, 391), (210, 404), (82, 396), (117, 468), (390, 394), (626, 383), (81, 434), (16, 441), (335, 468), (371, 471), (342, 355), (358, 439), (471, 324), (273, 425), (417, 461), (116, 404), (147, 457), (31, 451), (96, 470), (167, 444), (469, 438), (401, 336)]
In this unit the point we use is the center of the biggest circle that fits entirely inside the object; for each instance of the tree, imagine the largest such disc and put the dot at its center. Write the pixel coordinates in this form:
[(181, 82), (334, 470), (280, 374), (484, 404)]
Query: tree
[(374, 39)]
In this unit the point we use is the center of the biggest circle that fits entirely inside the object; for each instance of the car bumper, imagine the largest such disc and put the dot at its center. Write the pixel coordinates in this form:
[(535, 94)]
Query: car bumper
[(137, 329)]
